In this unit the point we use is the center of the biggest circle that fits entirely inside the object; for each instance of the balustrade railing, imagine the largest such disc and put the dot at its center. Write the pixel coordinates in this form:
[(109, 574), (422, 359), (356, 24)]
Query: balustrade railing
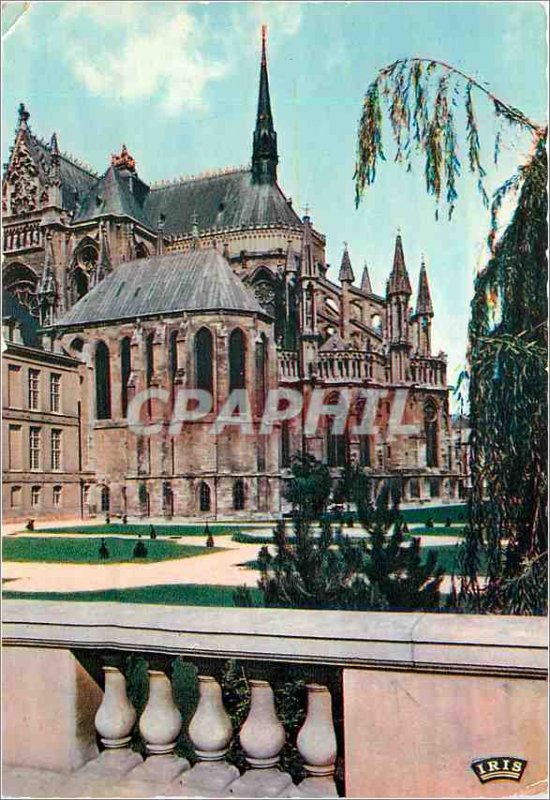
[(429, 371), (288, 365), (261, 737)]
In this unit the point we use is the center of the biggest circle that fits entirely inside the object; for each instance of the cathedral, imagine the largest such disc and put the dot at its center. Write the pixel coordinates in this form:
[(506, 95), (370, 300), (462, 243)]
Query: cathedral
[(112, 286)]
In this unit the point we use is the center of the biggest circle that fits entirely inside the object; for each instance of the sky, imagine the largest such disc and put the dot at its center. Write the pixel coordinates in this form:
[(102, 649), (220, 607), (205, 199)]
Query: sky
[(177, 83)]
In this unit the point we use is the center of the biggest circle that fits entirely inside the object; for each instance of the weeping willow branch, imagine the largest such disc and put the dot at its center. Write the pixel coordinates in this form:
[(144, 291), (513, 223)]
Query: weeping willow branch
[(421, 95)]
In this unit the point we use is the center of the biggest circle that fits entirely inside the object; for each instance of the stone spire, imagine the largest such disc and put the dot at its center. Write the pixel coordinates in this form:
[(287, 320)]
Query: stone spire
[(366, 285), (264, 151), (399, 282), (424, 305), (346, 271)]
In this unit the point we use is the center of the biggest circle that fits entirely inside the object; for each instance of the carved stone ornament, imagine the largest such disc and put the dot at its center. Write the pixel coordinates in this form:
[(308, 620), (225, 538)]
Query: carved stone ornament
[(23, 181), (265, 295)]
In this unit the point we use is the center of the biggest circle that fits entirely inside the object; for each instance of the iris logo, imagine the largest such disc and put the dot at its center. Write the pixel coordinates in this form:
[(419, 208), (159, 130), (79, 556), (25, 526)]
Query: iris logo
[(499, 768)]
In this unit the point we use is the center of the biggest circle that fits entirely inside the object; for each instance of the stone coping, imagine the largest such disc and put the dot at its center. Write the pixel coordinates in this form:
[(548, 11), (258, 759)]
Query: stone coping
[(464, 644)]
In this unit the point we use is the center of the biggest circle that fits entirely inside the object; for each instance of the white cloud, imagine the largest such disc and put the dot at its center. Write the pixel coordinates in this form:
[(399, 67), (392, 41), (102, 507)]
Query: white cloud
[(132, 50)]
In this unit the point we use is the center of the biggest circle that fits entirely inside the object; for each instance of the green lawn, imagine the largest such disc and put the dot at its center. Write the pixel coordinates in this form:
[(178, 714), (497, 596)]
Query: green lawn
[(176, 594), (437, 530), (86, 551), (458, 513), (174, 531)]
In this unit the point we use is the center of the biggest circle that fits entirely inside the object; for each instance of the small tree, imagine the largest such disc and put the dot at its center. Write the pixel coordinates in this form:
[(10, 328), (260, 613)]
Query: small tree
[(321, 571)]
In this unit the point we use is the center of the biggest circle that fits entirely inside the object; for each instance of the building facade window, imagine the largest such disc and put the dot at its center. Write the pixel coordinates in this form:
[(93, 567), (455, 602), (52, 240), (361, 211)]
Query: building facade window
[(336, 449), (204, 358), (34, 448), (56, 449), (261, 372), (105, 499), (238, 495), (364, 450), (14, 386), (285, 444), (15, 496), (237, 360), (15, 449), (125, 370), (56, 496), (55, 392), (204, 496), (34, 389), (430, 432), (102, 381), (35, 496)]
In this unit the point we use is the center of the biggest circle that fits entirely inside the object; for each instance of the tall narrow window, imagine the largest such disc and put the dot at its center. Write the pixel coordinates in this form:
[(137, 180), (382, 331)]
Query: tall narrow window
[(56, 450), (237, 358), (34, 389), (35, 496), (55, 390), (238, 495), (34, 448), (261, 372), (336, 449), (102, 382), (364, 449), (173, 355), (105, 499), (285, 444), (149, 358), (204, 496), (56, 496), (125, 370), (204, 372), (430, 431), (16, 496)]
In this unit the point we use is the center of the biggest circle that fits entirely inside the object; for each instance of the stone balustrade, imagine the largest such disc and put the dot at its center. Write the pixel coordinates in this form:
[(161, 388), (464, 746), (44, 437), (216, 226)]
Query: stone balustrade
[(429, 371), (289, 368), (369, 677)]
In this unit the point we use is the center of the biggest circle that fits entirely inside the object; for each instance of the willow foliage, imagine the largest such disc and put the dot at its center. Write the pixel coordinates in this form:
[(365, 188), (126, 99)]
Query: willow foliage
[(508, 326)]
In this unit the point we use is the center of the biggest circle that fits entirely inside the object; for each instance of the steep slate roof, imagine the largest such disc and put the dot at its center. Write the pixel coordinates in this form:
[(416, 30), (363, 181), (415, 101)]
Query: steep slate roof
[(199, 280), (111, 195), (12, 309), (76, 181), (227, 200)]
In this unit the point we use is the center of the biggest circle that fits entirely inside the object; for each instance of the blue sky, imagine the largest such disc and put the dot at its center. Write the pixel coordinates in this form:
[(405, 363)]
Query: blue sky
[(177, 83)]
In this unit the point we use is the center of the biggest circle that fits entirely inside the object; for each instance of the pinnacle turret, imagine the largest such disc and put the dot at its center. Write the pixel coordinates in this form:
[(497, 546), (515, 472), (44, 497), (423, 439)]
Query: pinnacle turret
[(399, 282), (424, 305), (346, 271), (264, 152), (366, 285)]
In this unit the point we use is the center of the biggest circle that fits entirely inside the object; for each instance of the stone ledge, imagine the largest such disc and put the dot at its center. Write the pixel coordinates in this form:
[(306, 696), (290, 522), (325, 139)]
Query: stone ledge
[(464, 644)]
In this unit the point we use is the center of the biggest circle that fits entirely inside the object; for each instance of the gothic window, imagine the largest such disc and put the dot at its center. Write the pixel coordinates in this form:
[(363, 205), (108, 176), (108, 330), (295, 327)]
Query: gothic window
[(173, 355), (204, 360), (309, 314), (237, 358), (105, 499), (149, 358), (79, 283), (238, 495), (87, 257), (264, 290), (102, 382), (430, 432), (414, 488), (204, 496), (261, 371), (364, 449), (21, 282), (125, 370), (167, 499), (336, 449), (285, 444)]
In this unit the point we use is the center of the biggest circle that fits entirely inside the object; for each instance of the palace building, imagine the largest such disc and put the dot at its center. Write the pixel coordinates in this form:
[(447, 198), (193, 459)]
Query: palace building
[(113, 286)]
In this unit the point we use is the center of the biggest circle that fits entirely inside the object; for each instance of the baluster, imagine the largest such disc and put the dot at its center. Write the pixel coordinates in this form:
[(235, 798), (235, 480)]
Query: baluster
[(210, 731), (114, 721), (316, 743), (160, 725), (262, 738)]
